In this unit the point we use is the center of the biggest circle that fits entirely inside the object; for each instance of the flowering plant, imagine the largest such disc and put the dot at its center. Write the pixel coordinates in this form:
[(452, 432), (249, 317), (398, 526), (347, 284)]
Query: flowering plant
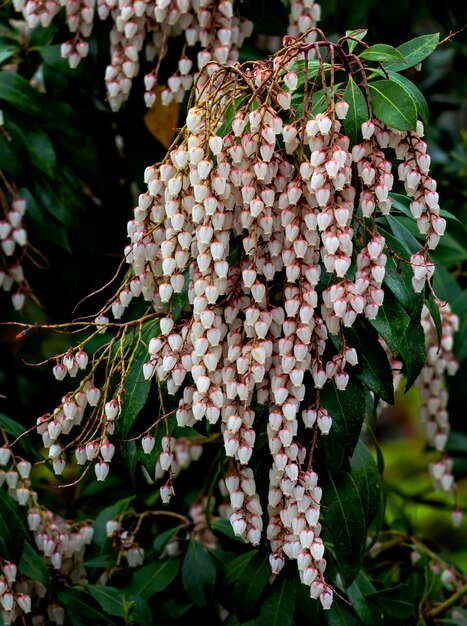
[(279, 289)]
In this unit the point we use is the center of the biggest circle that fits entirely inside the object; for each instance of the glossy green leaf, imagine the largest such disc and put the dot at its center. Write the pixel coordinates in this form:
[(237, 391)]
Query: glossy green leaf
[(347, 409), (199, 574), (162, 539), (10, 160), (413, 352), (358, 34), (395, 601), (373, 368), (153, 578), (391, 323), (278, 606), (393, 105), (341, 614), (19, 93), (41, 150), (358, 110), (383, 53), (6, 54), (367, 480), (11, 427), (33, 565), (12, 530), (80, 609), (109, 598), (235, 569), (398, 276), (344, 523), (415, 51), (251, 585), (419, 98), (357, 593), (136, 386)]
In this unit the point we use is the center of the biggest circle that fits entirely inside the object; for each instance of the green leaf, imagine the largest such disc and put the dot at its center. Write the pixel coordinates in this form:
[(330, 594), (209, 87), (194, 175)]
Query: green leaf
[(136, 386), (12, 530), (110, 512), (415, 51), (341, 614), (278, 606), (391, 323), (419, 98), (198, 574), (398, 277), (358, 110), (251, 585), (367, 480), (6, 53), (413, 352), (347, 409), (33, 565), (373, 368), (394, 601), (383, 53), (153, 578), (80, 609), (357, 593), (344, 523), (459, 306), (41, 150), (10, 160), (359, 34), (19, 93), (10, 426), (109, 598), (162, 539), (393, 105), (236, 567)]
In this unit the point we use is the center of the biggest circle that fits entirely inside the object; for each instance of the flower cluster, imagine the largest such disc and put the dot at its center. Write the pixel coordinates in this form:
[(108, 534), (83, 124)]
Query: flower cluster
[(212, 31), (61, 543), (253, 215), (440, 362), (13, 241)]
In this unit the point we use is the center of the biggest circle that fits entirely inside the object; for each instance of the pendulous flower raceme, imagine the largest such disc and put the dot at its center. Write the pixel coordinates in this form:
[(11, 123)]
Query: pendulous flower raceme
[(212, 30), (261, 248), (266, 214)]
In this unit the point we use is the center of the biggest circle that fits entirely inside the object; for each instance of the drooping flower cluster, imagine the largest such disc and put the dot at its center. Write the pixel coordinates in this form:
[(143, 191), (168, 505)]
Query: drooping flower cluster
[(61, 543), (213, 30), (13, 240), (440, 362), (254, 214)]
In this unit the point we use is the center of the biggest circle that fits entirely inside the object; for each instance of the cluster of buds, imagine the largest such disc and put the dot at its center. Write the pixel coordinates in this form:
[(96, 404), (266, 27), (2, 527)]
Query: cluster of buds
[(14, 601), (61, 543), (103, 411), (303, 16), (212, 27), (13, 240), (258, 319), (440, 362)]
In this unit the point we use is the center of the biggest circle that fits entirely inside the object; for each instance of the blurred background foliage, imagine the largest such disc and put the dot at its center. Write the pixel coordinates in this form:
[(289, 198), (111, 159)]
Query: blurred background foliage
[(80, 166)]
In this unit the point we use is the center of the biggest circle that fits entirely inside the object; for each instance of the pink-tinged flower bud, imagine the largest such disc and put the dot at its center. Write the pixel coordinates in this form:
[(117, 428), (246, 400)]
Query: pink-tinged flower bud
[(112, 409), (368, 129), (342, 109), (101, 469), (326, 598), (324, 423), (6, 600), (59, 371)]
